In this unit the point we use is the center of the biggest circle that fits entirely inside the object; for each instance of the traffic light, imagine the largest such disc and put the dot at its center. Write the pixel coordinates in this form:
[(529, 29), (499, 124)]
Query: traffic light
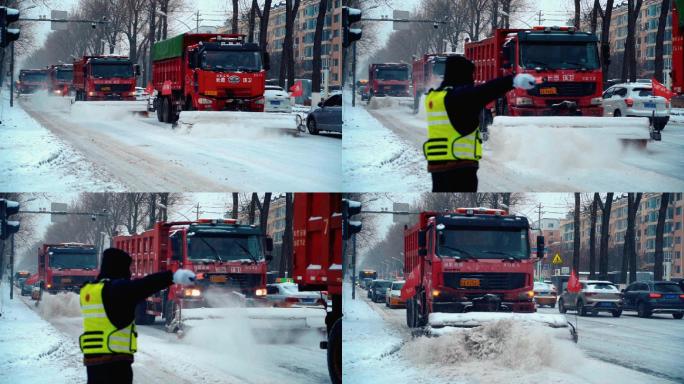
[(7, 209), (349, 17), (8, 16), (349, 209)]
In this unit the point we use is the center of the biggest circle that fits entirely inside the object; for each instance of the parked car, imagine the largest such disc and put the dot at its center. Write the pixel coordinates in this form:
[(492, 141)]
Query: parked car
[(393, 295), (327, 116), (29, 284), (141, 94), (636, 100), (545, 294), (378, 290), (288, 295), (649, 297), (365, 93), (365, 283), (594, 296), (277, 99)]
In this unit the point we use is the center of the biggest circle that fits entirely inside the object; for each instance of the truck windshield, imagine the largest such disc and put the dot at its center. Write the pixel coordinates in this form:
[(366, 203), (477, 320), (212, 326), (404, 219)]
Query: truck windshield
[(33, 77), (438, 67), (391, 74), (224, 247), (75, 260), (231, 61), (484, 243), (63, 74), (106, 71), (555, 55)]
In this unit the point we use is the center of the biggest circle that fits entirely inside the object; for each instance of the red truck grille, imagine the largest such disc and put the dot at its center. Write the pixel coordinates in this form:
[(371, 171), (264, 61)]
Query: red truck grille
[(67, 281), (487, 281), (564, 89), (244, 282)]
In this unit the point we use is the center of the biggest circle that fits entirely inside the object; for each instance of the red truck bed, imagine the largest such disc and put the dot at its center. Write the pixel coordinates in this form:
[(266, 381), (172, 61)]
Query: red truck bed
[(486, 55)]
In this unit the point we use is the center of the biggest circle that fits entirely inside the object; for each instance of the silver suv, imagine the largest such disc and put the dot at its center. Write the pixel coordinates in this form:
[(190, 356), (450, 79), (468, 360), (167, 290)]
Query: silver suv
[(595, 296)]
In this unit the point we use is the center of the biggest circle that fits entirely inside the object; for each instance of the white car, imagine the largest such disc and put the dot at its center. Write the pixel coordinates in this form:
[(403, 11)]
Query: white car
[(277, 100), (636, 100), (141, 94), (288, 295)]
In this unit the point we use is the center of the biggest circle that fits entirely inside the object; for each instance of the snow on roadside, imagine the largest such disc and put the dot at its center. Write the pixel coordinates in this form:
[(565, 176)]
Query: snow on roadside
[(51, 358), (374, 158), (33, 159)]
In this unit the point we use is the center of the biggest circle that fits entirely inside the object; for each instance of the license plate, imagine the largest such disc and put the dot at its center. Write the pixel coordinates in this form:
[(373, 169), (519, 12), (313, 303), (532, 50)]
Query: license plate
[(649, 105), (66, 280), (275, 102), (670, 296), (106, 88), (548, 91), (605, 304), (217, 279), (470, 282)]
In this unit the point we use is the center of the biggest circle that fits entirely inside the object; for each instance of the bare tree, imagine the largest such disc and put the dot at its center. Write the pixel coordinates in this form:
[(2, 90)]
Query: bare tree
[(286, 253), (606, 18), (629, 249), (605, 224), (287, 70), (235, 207), (660, 229), (592, 235), (629, 62), (318, 37), (660, 37), (578, 13)]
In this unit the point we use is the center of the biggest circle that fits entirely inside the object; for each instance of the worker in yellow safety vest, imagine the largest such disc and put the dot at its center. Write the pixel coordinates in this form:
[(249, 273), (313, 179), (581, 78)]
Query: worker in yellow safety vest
[(454, 146), (109, 337)]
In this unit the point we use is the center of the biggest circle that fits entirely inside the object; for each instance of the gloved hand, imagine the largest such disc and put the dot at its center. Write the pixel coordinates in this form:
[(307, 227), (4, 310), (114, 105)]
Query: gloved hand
[(183, 277), (524, 81)]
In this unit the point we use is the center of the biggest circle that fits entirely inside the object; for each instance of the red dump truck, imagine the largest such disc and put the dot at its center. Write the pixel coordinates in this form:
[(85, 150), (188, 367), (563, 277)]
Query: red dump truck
[(60, 79), (317, 228), (99, 78), (32, 80), (227, 258), (564, 61), (470, 259), (428, 73), (207, 72), (677, 54), (66, 266), (388, 79)]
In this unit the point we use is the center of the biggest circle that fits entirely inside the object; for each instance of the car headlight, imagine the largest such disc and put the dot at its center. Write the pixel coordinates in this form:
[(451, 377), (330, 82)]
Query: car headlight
[(260, 292), (204, 101), (91, 93), (193, 292)]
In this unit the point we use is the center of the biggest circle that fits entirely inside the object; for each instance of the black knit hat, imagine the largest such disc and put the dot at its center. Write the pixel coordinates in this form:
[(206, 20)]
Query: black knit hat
[(116, 264), (458, 71)]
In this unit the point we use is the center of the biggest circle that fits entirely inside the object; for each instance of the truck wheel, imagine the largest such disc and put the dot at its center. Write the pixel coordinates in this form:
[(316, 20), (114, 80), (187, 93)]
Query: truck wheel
[(174, 113), (158, 109), (141, 317), (166, 116), (421, 319), (335, 352)]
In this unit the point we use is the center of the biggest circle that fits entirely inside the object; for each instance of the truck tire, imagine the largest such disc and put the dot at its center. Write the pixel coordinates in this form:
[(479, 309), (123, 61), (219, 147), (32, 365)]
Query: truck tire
[(158, 108), (420, 313), (335, 352), (166, 110), (141, 317), (409, 313)]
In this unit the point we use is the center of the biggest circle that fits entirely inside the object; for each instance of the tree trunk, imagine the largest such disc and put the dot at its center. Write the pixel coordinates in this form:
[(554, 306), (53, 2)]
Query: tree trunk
[(263, 212), (318, 37), (290, 56), (263, 25), (660, 35), (152, 37), (605, 225), (506, 8), (235, 17), (252, 21), (165, 10), (152, 210), (633, 255), (660, 229), (494, 15), (605, 42), (578, 8), (234, 214), (592, 237), (594, 16), (628, 239), (252, 208), (576, 239), (286, 249)]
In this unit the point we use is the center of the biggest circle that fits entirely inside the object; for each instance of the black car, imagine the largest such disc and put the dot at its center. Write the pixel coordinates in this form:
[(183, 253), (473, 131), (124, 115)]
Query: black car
[(649, 297), (378, 290), (327, 117)]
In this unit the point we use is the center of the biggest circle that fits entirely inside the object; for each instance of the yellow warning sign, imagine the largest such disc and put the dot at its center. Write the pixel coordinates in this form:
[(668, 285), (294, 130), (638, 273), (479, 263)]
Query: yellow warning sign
[(557, 259)]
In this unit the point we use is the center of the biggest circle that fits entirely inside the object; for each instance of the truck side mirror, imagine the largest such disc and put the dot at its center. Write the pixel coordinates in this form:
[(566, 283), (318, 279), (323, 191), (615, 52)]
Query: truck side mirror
[(422, 243), (267, 61), (540, 247), (137, 69), (269, 244)]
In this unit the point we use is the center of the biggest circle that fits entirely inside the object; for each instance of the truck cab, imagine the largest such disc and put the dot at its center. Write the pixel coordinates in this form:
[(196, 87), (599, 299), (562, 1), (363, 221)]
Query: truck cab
[(67, 266), (105, 78), (32, 80), (470, 259), (61, 79), (388, 79)]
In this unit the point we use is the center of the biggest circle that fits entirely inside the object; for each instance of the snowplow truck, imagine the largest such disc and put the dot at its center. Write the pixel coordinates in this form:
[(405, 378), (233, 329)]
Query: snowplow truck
[(389, 79), (66, 266), (32, 80), (227, 258), (100, 78), (428, 73), (317, 265), (60, 79), (468, 260), (677, 74), (564, 61), (207, 72)]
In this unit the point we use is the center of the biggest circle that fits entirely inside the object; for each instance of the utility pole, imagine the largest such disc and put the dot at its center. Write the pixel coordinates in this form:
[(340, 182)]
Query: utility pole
[(12, 264), (354, 263), (197, 212), (12, 79), (354, 75), (540, 17), (539, 227), (197, 20)]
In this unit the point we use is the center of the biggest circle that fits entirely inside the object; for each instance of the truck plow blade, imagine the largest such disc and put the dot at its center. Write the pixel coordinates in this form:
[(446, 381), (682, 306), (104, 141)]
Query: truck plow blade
[(109, 108), (630, 131), (249, 122)]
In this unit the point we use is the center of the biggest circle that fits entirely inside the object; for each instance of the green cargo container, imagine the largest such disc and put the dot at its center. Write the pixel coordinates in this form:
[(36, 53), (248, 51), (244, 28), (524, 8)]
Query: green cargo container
[(168, 49)]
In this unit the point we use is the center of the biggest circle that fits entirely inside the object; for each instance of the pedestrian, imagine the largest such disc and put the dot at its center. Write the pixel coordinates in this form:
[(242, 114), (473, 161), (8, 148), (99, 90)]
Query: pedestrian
[(454, 146), (109, 338)]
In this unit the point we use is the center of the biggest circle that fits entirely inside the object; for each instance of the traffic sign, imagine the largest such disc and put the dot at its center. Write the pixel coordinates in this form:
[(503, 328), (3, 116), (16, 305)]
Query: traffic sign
[(557, 259)]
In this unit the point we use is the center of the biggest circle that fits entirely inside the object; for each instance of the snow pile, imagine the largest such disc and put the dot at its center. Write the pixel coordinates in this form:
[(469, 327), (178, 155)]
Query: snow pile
[(63, 304), (218, 298)]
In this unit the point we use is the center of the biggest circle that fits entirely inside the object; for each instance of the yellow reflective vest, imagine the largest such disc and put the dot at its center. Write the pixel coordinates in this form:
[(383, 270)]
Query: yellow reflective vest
[(444, 142), (99, 335)]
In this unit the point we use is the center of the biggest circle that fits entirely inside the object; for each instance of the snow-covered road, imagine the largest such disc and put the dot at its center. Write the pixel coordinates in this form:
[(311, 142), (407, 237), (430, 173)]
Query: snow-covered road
[(378, 348), (218, 350), (382, 150), (99, 148)]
